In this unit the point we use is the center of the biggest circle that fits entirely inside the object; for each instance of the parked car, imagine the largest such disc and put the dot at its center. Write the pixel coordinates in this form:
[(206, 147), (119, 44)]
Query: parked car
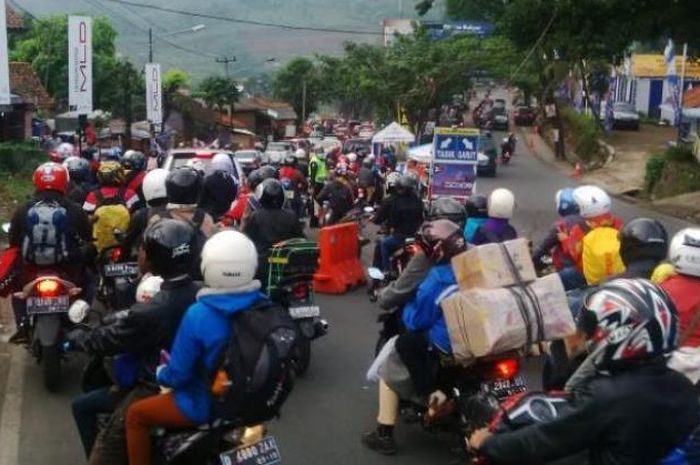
[(487, 156), (625, 116), (500, 118), (499, 103), (202, 157), (276, 151), (524, 116), (358, 146), (250, 159)]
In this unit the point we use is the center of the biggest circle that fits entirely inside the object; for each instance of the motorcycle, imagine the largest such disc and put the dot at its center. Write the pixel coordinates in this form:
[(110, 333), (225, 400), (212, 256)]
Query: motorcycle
[(290, 284), (117, 283), (506, 151), (47, 299)]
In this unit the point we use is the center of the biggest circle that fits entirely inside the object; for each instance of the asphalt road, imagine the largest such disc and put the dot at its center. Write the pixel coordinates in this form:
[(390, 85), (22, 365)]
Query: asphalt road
[(329, 408)]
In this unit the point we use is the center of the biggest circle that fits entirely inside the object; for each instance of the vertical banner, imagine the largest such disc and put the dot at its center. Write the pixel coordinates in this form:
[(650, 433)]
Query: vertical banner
[(454, 162), (5, 98), (672, 80), (80, 64), (154, 94)]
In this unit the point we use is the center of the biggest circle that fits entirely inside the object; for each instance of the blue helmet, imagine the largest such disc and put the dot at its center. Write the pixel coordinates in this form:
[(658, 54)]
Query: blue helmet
[(566, 204)]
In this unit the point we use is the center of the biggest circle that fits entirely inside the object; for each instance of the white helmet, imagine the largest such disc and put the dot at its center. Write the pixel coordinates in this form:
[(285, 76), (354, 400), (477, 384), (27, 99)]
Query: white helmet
[(222, 162), (392, 178), (352, 157), (229, 260), (300, 153), (154, 185), (501, 204), (65, 150), (148, 288), (684, 252), (592, 201)]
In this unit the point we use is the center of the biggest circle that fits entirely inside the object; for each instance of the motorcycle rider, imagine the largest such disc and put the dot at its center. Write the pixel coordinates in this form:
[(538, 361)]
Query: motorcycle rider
[(427, 335), (294, 181), (627, 407), (134, 162), (156, 196), (497, 227), (68, 259), (338, 193), (270, 223), (643, 246), (318, 172), (219, 187), (477, 214), (229, 263), (79, 173), (183, 186), (143, 331), (402, 214), (111, 177)]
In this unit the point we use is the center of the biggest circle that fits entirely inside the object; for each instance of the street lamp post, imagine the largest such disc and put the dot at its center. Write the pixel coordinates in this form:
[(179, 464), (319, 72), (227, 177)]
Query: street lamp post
[(195, 28)]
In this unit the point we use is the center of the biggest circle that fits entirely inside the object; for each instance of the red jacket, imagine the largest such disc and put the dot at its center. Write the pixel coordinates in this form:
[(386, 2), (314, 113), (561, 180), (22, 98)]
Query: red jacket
[(685, 293)]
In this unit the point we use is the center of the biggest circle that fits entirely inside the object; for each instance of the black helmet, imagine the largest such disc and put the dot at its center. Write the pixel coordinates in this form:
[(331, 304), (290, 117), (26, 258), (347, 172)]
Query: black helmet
[(406, 184), (183, 185), (134, 160), (270, 194), (441, 240), (447, 208), (254, 178), (477, 206), (643, 239), (268, 172), (289, 160), (169, 247)]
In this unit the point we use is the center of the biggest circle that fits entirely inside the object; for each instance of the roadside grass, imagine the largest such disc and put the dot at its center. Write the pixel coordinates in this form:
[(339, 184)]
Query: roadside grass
[(17, 163), (672, 172)]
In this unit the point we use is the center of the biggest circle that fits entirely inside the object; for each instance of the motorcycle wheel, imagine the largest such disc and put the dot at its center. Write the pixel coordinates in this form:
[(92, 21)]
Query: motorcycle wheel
[(51, 367), (302, 356)]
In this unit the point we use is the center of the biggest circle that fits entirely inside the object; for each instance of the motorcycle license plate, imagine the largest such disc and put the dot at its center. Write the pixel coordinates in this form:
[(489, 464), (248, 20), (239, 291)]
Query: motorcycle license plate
[(118, 270), (503, 388), (57, 304), (264, 452), (309, 311), (289, 195)]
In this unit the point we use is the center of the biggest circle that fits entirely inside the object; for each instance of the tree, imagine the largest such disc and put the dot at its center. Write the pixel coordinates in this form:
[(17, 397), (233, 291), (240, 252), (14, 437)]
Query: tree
[(173, 80), (218, 91), (299, 84)]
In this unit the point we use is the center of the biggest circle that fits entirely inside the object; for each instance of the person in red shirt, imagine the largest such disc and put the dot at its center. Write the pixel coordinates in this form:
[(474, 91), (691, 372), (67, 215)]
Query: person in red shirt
[(111, 178), (134, 162)]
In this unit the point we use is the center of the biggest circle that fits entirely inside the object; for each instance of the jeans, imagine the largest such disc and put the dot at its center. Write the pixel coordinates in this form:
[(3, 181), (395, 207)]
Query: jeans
[(572, 278), (87, 407), (387, 246)]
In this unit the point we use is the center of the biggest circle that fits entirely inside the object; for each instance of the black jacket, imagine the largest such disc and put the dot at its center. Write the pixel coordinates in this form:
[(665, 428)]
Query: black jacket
[(218, 193), (266, 227), (403, 214), (633, 418), (146, 328), (339, 195)]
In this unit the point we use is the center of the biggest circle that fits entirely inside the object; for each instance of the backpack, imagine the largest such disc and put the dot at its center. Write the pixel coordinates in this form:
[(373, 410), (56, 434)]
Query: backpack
[(600, 257), (111, 214), (45, 242), (255, 375)]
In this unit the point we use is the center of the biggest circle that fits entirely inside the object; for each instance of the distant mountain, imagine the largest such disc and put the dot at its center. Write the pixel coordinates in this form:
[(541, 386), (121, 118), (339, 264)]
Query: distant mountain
[(253, 46)]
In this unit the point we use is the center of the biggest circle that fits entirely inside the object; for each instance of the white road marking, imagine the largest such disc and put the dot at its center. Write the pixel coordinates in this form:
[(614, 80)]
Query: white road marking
[(11, 413)]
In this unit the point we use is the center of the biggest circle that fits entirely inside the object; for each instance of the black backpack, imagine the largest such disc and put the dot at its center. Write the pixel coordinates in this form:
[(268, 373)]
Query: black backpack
[(258, 361)]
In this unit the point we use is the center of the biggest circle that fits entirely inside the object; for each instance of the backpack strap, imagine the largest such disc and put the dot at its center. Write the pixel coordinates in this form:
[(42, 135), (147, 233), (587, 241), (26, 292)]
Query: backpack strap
[(198, 218), (122, 193), (99, 197), (685, 335)]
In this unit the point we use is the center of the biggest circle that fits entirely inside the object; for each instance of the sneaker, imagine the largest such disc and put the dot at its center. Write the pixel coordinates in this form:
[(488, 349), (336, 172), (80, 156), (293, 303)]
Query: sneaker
[(21, 336), (382, 444)]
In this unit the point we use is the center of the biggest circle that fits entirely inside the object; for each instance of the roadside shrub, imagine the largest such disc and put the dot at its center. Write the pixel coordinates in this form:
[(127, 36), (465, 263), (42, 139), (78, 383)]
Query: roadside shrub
[(654, 170), (583, 133), (19, 158), (680, 154)]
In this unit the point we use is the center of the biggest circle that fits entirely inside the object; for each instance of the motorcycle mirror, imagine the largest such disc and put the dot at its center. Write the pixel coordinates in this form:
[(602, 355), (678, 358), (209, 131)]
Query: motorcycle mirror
[(6, 228), (375, 273), (78, 311), (369, 209)]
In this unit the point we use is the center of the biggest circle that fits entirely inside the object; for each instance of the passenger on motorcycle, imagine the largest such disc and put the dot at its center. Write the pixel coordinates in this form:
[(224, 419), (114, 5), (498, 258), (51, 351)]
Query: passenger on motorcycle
[(477, 214), (401, 214), (183, 186), (229, 263), (252, 202), (497, 227), (426, 338), (643, 246), (134, 163), (338, 193), (684, 290), (51, 233), (111, 177), (219, 187), (156, 196), (568, 216), (367, 178), (80, 179), (270, 223), (142, 332), (353, 164), (627, 407)]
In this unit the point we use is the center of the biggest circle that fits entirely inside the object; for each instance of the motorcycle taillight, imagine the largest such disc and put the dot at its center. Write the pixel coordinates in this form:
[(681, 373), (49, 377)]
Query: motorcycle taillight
[(116, 254), (505, 368), (49, 288), (300, 291)]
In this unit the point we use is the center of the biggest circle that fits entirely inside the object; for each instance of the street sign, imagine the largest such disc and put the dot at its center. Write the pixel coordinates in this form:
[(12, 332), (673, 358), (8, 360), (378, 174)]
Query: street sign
[(80, 64), (5, 96), (154, 94), (454, 162)]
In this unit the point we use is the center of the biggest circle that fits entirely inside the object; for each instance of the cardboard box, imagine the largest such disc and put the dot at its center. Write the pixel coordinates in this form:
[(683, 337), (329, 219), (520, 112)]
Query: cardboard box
[(488, 267), (490, 321)]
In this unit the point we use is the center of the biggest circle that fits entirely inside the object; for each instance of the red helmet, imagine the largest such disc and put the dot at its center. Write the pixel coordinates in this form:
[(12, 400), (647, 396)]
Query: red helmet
[(51, 177)]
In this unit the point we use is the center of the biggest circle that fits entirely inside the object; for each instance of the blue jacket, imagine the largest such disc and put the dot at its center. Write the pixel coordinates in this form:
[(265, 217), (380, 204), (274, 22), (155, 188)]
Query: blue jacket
[(203, 334), (471, 226), (423, 313)]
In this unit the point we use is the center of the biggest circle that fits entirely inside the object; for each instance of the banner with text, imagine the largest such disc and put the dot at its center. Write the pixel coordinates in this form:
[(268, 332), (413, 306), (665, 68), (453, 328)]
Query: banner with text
[(154, 94), (5, 97), (454, 162), (80, 64)]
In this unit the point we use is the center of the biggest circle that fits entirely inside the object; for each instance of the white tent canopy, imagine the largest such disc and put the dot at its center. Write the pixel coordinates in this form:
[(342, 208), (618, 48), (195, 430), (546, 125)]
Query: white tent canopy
[(421, 153), (393, 134)]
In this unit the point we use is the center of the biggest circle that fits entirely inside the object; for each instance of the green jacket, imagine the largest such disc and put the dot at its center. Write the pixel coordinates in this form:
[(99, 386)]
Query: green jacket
[(318, 170)]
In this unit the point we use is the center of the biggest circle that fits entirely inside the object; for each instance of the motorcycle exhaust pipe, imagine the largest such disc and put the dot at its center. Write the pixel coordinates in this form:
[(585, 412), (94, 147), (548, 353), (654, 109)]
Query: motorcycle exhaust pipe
[(320, 328)]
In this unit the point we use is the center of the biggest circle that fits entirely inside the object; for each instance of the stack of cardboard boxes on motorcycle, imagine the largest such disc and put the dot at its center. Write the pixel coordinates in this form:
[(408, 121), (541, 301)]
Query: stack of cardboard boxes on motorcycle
[(501, 305)]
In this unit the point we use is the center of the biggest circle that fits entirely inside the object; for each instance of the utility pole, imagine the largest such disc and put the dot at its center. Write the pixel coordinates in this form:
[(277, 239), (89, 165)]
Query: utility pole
[(303, 101), (680, 93), (226, 61), (150, 45)]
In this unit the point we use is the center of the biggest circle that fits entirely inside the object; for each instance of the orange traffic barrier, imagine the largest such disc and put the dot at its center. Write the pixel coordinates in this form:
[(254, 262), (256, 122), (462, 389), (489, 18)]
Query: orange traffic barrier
[(340, 268), (578, 171)]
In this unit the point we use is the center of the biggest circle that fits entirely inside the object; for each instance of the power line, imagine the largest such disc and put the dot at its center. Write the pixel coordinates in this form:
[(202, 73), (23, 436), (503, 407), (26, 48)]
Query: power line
[(537, 44), (245, 21)]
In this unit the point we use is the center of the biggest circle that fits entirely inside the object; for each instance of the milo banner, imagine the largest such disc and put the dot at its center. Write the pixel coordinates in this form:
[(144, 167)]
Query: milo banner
[(454, 161), (80, 64)]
